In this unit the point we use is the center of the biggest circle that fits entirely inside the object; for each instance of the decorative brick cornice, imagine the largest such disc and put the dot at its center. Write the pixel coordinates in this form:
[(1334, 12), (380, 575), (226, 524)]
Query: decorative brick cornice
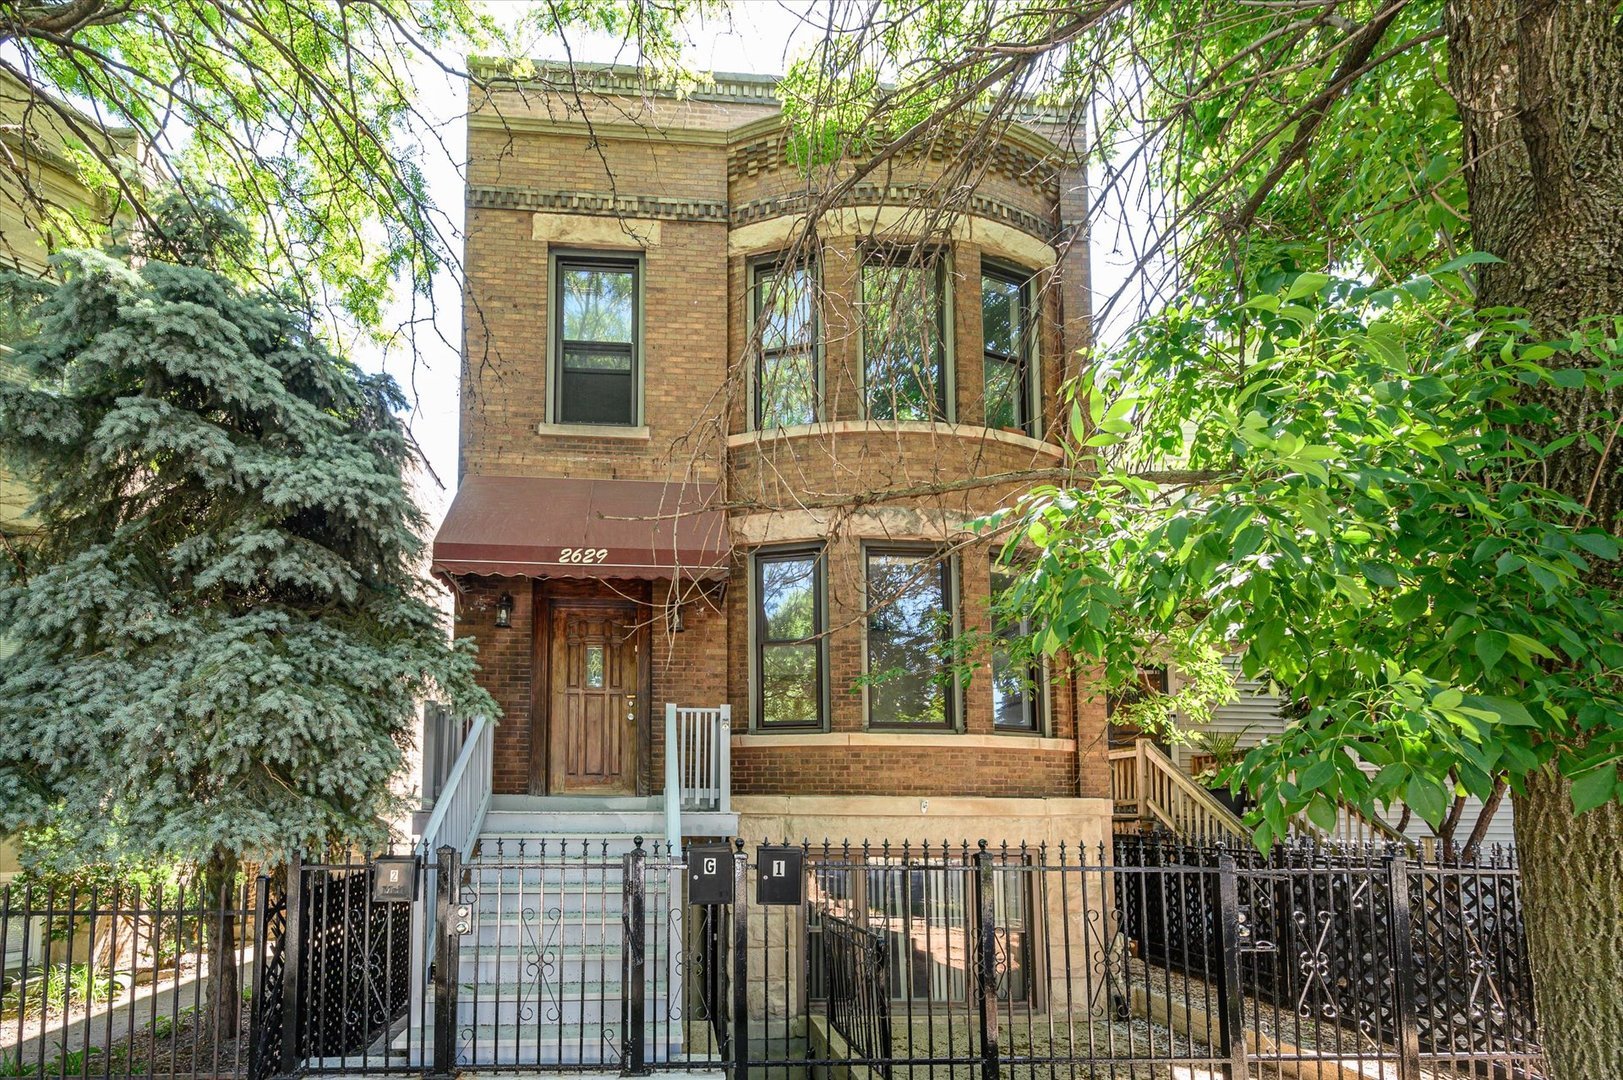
[(1005, 157), (624, 79), (595, 204), (599, 204), (904, 196)]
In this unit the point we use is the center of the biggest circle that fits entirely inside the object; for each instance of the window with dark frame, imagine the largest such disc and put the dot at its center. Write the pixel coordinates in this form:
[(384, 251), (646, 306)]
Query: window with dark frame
[(904, 355), (1006, 364), (910, 632), (783, 301), (595, 312), (1017, 682), (789, 644)]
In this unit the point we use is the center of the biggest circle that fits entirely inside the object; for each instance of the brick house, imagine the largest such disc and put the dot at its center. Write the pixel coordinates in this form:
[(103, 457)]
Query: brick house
[(716, 471)]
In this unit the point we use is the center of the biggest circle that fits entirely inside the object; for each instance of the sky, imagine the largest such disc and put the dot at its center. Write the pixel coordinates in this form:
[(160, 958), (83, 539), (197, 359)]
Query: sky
[(758, 37)]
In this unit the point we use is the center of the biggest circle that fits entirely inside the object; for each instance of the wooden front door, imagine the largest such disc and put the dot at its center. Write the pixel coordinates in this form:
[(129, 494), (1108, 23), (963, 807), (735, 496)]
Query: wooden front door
[(595, 679)]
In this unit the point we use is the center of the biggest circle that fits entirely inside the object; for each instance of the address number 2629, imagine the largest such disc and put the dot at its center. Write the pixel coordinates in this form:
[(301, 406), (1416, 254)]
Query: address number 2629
[(583, 555)]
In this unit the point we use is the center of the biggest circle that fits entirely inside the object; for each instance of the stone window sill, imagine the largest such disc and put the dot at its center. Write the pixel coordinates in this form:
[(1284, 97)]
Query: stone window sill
[(595, 431), (861, 739)]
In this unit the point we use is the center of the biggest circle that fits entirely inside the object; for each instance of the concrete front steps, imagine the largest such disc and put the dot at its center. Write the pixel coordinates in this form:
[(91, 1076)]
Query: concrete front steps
[(542, 971)]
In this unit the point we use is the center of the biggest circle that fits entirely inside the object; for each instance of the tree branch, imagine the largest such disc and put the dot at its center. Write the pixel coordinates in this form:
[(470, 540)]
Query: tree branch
[(1359, 48)]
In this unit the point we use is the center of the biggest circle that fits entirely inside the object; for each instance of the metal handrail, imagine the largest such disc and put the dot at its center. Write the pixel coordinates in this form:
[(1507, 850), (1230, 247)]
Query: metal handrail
[(698, 763), (474, 745), (673, 782)]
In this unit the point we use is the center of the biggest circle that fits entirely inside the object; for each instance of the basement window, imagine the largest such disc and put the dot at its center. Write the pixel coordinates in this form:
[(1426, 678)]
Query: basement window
[(595, 315)]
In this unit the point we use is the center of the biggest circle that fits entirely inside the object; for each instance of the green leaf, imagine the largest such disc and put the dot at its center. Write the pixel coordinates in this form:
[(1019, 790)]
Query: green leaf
[(1490, 646), (1597, 543), (1317, 774), (1323, 813), (1380, 574), (1306, 285), (1594, 788), (1470, 258), (1425, 797)]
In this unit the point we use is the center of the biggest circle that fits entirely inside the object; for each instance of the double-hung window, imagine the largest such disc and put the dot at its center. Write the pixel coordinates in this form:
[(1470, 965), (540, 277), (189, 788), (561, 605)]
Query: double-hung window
[(783, 300), (1007, 364), (904, 355), (789, 644), (595, 374), (1017, 681), (910, 637)]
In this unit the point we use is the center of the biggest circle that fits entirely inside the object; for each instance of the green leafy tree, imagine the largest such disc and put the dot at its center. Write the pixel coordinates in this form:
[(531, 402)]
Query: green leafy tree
[(1335, 435), (222, 633), (310, 117)]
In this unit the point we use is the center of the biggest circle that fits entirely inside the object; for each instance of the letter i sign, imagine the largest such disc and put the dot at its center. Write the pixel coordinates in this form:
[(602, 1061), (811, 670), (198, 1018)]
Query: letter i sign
[(780, 875)]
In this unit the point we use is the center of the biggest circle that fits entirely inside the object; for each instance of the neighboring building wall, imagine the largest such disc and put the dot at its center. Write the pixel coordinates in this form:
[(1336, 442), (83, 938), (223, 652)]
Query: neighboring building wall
[(38, 170), (1256, 712)]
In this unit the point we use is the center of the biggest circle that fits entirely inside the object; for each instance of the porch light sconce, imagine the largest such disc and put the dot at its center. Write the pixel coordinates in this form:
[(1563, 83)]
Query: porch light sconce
[(673, 619), (504, 611)]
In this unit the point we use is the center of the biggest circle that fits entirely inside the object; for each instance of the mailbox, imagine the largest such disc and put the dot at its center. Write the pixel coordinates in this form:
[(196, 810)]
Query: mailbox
[(394, 879), (780, 875), (710, 875)]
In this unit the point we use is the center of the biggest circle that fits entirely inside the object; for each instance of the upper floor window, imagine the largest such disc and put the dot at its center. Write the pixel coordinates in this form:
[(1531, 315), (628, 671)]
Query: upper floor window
[(783, 298), (910, 632), (1016, 675), (1007, 364), (904, 356), (595, 373), (789, 661)]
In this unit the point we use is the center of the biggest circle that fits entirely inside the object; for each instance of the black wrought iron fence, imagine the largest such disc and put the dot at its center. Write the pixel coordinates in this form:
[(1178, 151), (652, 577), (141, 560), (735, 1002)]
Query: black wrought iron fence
[(127, 980), (930, 961), (1360, 938), (347, 967), (856, 980)]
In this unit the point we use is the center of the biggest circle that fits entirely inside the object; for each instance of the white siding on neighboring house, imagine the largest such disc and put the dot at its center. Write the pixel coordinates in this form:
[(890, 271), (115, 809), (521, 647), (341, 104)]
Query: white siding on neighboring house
[(1260, 709)]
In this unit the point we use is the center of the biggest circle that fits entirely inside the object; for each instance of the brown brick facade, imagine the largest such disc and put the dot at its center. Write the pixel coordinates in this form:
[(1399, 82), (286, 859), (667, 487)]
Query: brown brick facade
[(696, 199)]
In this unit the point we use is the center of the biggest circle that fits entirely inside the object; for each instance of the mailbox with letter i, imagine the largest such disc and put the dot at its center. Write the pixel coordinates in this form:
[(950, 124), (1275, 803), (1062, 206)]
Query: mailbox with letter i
[(710, 875), (780, 874)]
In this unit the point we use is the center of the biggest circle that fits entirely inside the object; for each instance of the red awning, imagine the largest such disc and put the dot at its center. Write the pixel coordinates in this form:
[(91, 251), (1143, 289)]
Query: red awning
[(523, 526)]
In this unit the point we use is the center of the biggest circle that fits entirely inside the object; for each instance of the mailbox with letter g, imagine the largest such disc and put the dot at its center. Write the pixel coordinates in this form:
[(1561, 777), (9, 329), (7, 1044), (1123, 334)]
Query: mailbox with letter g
[(710, 875)]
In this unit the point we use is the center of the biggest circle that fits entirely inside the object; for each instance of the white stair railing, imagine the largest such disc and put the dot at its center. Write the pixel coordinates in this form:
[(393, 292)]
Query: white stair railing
[(459, 814), (698, 763), (459, 811)]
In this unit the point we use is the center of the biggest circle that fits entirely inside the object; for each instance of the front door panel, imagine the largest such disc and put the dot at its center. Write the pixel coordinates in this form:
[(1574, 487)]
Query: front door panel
[(595, 680)]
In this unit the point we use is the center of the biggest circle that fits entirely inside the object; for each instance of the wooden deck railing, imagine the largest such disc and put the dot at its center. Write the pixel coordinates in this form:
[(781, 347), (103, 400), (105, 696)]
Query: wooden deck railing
[(1149, 788)]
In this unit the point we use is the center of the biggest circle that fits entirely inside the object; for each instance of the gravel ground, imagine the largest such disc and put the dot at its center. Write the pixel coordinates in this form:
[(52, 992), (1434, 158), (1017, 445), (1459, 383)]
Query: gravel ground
[(175, 1048)]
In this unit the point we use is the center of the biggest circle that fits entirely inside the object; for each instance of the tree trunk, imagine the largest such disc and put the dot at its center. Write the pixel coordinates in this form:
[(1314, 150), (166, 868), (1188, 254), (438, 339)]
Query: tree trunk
[(1539, 86), (225, 990), (1572, 900)]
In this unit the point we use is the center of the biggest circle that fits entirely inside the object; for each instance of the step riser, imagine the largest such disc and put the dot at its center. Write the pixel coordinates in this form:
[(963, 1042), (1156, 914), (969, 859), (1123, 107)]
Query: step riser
[(541, 936), (492, 969), (552, 878), (529, 1015)]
